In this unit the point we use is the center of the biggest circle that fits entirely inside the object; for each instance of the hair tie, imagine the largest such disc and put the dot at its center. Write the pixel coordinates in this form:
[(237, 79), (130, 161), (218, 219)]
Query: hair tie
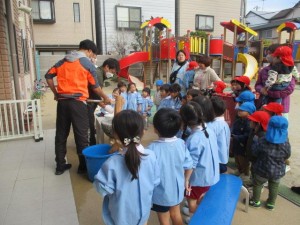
[(136, 140)]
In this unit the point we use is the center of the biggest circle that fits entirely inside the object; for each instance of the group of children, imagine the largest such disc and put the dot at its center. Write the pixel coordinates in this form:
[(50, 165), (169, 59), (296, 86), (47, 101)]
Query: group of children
[(192, 150)]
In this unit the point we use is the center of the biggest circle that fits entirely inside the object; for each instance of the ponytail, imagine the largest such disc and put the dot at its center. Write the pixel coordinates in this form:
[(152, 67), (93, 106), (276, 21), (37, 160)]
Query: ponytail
[(133, 160)]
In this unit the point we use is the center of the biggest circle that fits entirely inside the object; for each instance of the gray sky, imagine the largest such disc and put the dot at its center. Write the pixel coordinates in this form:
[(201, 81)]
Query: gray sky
[(270, 5)]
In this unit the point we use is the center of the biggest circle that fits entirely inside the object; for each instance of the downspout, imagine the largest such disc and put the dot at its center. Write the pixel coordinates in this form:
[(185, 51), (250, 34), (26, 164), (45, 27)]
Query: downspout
[(12, 41), (98, 25), (177, 19), (104, 21), (92, 20)]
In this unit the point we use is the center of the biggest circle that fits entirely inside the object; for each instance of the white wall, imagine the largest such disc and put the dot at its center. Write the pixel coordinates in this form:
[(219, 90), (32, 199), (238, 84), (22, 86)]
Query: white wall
[(255, 20), (154, 8), (223, 11)]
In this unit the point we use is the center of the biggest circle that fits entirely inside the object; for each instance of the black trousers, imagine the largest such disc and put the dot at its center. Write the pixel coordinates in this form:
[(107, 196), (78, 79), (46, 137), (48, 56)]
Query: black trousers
[(91, 110), (69, 112)]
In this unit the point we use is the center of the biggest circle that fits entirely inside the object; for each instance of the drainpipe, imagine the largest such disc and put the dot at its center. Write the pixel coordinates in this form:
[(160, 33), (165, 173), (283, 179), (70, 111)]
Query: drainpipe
[(98, 25), (104, 21), (92, 20), (12, 41), (177, 19)]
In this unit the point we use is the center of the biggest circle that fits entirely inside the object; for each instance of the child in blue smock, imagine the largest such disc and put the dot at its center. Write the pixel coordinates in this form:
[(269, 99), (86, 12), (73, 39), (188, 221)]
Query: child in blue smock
[(222, 131), (147, 104), (172, 101), (126, 180), (202, 145), (123, 92), (134, 98), (175, 165)]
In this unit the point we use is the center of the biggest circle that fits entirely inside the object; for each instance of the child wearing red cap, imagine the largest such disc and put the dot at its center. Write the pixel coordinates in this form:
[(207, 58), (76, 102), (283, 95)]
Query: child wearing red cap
[(240, 84), (280, 74), (273, 108), (189, 75), (219, 86)]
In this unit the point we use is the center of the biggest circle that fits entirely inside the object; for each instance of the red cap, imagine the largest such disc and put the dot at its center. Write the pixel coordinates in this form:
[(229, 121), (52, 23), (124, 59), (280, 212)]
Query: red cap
[(192, 65), (285, 55), (261, 117), (243, 79), (274, 107), (220, 86)]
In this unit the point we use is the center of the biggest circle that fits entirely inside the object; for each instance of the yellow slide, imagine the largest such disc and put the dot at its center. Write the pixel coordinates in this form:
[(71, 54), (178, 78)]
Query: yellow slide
[(251, 65)]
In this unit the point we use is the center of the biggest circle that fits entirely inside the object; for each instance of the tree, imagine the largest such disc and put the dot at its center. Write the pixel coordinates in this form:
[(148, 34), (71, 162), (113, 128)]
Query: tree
[(120, 42)]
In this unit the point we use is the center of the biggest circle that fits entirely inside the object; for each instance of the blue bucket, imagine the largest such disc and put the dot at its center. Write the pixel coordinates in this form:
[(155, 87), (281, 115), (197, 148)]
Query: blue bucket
[(95, 156)]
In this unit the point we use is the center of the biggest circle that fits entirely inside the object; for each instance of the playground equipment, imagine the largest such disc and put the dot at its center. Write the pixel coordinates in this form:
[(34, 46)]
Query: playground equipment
[(236, 51), (160, 48), (290, 28)]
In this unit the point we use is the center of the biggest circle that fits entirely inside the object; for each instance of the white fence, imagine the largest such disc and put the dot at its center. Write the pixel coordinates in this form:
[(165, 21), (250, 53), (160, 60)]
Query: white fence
[(20, 118)]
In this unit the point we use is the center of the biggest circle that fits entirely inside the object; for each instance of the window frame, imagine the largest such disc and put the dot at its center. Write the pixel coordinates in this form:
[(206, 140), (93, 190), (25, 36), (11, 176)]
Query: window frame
[(52, 20), (197, 22), (264, 32), (128, 7), (76, 3)]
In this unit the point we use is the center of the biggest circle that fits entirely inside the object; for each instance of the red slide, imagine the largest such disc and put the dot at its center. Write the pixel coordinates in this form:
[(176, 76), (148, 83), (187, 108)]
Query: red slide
[(133, 58)]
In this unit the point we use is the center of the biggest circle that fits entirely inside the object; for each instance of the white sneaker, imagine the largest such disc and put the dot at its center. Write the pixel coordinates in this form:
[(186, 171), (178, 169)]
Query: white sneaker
[(287, 168), (187, 220), (185, 211)]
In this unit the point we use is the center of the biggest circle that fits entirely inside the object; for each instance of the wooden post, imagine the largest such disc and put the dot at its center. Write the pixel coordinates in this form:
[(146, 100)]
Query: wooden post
[(150, 54)]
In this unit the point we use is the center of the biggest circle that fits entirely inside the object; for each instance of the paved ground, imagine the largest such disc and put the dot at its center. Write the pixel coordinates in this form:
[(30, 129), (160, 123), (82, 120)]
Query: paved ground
[(88, 202)]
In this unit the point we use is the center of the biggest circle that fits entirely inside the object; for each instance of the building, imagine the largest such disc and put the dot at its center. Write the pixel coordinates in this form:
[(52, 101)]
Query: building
[(17, 65), (265, 24), (59, 26), (206, 15)]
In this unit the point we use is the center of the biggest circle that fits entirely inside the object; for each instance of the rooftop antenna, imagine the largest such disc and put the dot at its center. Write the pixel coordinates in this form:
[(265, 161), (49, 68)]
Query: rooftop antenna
[(263, 2), (256, 8)]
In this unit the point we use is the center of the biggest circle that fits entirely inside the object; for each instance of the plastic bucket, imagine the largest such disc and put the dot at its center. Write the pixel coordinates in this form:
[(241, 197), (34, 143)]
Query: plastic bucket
[(95, 156)]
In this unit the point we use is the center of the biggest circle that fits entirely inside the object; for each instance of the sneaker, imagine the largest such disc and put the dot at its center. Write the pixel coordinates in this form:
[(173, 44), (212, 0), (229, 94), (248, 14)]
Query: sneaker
[(187, 220), (270, 207), (185, 211), (287, 168), (60, 170), (255, 204)]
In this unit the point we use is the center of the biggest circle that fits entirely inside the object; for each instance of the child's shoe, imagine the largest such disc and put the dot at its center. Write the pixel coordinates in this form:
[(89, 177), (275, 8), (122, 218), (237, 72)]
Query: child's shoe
[(185, 211), (254, 204), (270, 207), (187, 220)]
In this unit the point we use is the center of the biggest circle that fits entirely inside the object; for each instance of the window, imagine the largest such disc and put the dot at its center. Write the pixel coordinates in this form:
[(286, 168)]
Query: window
[(43, 11), (128, 17), (25, 55), (76, 10), (266, 33), (205, 23)]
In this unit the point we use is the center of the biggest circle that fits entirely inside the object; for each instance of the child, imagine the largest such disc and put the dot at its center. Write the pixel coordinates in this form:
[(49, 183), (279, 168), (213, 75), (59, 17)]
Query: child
[(134, 98), (273, 108), (271, 152), (175, 165), (219, 87), (126, 180), (222, 131), (280, 74), (109, 108), (240, 84), (172, 101), (245, 96), (192, 93), (239, 134), (202, 145), (189, 75), (123, 92), (147, 104), (157, 97)]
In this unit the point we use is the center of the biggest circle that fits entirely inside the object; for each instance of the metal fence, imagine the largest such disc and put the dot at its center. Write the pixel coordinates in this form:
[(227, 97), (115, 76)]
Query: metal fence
[(20, 119)]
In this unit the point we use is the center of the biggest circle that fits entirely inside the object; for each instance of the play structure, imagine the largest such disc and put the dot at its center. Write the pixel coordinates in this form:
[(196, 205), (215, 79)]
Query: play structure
[(237, 51), (159, 49), (290, 28)]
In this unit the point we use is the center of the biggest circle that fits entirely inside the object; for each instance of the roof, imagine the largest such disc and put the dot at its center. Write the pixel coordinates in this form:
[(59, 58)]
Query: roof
[(282, 14), (263, 14), (240, 27)]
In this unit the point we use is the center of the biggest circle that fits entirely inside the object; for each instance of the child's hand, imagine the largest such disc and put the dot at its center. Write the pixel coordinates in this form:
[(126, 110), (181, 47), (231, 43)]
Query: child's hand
[(188, 188)]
